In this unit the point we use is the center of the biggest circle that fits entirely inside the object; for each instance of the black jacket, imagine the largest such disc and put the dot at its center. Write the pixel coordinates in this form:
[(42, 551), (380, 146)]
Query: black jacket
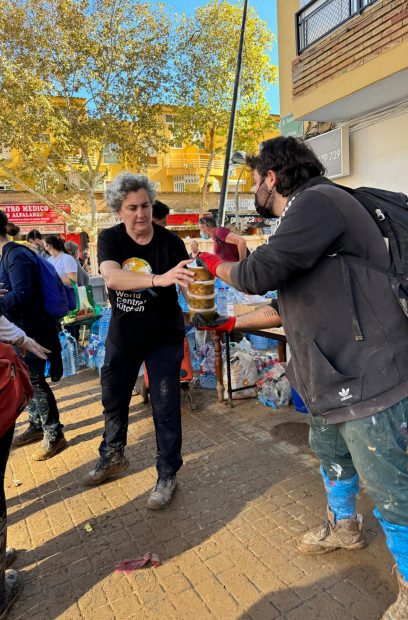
[(347, 333)]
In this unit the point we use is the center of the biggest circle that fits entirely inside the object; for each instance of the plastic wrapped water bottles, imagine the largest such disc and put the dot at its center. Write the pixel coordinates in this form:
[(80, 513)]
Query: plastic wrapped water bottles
[(100, 356), (68, 353), (104, 323)]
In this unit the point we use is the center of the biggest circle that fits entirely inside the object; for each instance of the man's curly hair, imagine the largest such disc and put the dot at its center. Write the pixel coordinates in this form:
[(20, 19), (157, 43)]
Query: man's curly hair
[(291, 159)]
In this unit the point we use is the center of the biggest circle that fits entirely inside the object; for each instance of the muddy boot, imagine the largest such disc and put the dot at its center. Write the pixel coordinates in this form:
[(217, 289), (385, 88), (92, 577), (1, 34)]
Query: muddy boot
[(49, 448), (106, 467), (162, 494), (345, 534), (10, 581), (30, 435), (399, 610), (11, 555)]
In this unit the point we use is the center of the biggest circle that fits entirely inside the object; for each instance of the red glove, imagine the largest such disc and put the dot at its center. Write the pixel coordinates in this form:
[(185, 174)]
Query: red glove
[(217, 324), (210, 261)]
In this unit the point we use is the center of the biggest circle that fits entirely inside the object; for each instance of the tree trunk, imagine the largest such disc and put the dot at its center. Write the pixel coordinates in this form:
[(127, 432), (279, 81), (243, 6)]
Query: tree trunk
[(205, 183)]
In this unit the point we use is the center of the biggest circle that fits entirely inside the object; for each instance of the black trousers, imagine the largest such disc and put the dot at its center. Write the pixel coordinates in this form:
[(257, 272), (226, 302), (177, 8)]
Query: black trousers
[(5, 443), (42, 410), (118, 377)]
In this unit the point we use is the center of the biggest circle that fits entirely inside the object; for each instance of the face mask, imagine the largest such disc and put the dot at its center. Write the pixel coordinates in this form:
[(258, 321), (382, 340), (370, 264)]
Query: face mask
[(203, 235), (263, 210)]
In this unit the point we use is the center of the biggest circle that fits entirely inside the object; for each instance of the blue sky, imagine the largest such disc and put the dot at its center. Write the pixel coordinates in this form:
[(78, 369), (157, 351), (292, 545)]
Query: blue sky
[(267, 11)]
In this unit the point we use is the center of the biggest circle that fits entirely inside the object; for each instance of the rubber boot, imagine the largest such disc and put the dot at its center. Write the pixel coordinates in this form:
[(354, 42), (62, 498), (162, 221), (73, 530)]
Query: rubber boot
[(10, 581)]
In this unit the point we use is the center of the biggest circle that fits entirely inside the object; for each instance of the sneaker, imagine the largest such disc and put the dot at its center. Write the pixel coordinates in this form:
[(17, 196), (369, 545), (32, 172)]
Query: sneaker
[(13, 587), (162, 494), (31, 435), (105, 468), (399, 610), (345, 534), (49, 448), (11, 555)]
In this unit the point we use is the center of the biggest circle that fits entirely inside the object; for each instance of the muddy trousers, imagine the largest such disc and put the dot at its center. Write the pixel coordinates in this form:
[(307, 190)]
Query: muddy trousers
[(118, 377), (375, 449)]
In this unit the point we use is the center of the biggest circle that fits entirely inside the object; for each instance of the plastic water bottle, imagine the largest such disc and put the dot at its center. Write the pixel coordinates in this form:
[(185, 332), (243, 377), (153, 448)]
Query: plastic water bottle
[(74, 345), (67, 353), (230, 302), (104, 323), (221, 301), (100, 356)]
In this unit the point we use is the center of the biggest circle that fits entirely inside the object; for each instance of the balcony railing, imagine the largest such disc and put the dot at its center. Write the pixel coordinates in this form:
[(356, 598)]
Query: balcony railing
[(192, 161), (320, 17)]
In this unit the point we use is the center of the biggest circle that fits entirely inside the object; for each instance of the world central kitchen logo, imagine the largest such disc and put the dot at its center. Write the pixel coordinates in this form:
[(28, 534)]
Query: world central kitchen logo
[(345, 394)]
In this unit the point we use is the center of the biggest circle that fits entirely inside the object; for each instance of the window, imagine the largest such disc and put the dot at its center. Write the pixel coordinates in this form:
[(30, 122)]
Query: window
[(179, 184), (109, 154), (170, 122), (157, 185), (192, 179)]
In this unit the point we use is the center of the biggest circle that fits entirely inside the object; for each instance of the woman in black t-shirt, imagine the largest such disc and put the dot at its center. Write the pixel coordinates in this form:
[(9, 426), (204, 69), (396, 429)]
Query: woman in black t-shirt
[(141, 263)]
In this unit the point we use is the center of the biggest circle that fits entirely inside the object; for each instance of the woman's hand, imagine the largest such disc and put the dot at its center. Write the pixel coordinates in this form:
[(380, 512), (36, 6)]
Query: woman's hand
[(32, 346), (178, 275)]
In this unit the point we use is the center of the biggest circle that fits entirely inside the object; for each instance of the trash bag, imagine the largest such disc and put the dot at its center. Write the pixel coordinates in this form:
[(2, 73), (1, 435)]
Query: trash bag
[(274, 387), (243, 373)]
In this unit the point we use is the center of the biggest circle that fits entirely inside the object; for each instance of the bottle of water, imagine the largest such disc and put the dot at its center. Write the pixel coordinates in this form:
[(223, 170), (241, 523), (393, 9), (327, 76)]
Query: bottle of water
[(104, 323), (74, 346), (100, 356), (221, 301), (67, 354)]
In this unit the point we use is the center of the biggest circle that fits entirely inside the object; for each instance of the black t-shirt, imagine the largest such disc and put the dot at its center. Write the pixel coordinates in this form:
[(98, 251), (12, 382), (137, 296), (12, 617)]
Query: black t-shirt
[(146, 318)]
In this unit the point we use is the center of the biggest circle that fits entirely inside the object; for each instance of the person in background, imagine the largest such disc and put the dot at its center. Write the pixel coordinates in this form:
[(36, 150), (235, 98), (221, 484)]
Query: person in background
[(64, 264), (141, 263), (348, 337), (23, 305), (160, 213), (36, 242), (10, 580), (73, 250), (195, 251), (227, 245)]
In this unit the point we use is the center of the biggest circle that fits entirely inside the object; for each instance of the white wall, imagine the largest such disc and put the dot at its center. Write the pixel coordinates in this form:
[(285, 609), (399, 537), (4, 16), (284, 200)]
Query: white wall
[(379, 155)]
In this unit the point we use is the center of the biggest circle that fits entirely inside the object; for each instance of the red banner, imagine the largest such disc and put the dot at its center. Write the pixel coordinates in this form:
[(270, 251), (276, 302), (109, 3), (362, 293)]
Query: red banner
[(34, 214), (182, 219)]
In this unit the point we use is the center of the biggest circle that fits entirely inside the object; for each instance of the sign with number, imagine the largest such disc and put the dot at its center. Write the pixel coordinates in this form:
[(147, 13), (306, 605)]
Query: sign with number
[(332, 148)]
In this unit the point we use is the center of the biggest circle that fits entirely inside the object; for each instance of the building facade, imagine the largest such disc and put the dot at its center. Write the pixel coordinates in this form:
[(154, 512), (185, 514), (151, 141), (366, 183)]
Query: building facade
[(344, 83)]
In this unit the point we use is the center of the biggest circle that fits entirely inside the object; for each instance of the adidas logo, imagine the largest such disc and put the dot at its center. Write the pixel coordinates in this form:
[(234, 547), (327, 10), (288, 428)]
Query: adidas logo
[(345, 394)]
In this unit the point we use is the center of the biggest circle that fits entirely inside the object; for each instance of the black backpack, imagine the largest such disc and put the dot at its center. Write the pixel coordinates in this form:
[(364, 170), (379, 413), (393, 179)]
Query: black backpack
[(389, 210)]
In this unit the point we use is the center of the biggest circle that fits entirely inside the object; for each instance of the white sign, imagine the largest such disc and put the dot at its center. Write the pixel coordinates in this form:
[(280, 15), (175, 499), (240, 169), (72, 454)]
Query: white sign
[(332, 148)]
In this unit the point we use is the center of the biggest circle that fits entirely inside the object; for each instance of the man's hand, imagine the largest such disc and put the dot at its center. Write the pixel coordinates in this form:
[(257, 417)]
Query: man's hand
[(210, 261), (217, 324), (3, 291)]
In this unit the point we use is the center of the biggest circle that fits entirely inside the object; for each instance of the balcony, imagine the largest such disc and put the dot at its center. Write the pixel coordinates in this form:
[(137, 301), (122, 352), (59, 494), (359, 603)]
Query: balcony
[(352, 58), (320, 17), (191, 161)]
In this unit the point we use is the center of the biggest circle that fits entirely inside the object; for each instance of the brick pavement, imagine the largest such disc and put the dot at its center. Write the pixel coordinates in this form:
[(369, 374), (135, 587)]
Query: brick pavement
[(247, 490)]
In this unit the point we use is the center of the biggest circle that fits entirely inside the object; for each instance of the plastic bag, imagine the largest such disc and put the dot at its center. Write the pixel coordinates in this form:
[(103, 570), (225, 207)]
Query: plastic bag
[(243, 373), (274, 388)]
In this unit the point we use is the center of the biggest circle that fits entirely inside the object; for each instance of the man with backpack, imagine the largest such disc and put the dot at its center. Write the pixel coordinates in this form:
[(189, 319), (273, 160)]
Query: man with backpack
[(349, 343), (24, 305)]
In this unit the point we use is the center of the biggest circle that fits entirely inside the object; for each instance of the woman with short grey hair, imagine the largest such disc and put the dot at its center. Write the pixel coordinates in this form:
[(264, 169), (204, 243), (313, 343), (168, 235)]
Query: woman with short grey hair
[(141, 263)]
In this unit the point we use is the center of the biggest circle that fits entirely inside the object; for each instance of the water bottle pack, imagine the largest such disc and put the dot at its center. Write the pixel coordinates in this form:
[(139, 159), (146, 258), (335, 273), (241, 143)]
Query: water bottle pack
[(69, 353)]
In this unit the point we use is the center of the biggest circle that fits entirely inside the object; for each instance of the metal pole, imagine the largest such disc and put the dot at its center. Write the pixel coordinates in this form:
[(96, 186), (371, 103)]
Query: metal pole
[(225, 178)]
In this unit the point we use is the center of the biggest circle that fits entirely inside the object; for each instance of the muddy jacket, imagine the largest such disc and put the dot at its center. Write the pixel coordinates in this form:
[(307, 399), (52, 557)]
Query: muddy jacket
[(347, 333)]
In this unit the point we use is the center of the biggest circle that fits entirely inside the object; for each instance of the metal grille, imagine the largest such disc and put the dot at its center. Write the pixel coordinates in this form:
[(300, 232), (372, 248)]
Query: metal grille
[(320, 17)]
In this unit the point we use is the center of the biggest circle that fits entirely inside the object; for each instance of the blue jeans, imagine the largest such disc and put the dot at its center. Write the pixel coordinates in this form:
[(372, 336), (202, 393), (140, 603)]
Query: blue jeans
[(375, 448), (42, 410), (118, 377)]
